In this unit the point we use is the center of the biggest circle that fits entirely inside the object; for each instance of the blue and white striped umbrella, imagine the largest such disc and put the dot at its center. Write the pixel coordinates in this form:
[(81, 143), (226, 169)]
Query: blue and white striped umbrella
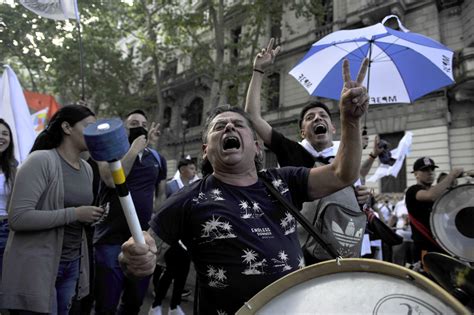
[(403, 66)]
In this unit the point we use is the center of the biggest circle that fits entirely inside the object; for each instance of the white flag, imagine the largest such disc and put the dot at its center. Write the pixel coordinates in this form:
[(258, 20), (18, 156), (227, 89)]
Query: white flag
[(53, 9), (14, 110), (399, 154)]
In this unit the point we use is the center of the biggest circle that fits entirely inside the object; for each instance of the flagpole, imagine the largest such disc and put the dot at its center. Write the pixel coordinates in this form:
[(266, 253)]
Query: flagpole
[(81, 57), (81, 49)]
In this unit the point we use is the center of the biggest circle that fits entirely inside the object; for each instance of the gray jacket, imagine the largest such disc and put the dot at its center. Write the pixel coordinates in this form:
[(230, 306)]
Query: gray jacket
[(36, 218)]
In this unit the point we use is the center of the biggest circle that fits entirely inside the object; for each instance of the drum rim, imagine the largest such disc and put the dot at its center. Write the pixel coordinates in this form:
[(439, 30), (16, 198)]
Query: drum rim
[(347, 265), (434, 225)]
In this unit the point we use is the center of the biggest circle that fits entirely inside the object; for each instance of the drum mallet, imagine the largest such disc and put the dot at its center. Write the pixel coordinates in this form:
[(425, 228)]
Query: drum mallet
[(107, 141)]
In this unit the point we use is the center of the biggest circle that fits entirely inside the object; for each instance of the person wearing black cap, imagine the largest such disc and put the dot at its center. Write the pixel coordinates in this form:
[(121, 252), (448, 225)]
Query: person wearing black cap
[(420, 199)]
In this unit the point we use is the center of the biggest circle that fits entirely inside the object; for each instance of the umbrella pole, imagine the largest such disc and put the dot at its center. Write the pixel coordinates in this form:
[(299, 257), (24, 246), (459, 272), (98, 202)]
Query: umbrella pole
[(368, 80)]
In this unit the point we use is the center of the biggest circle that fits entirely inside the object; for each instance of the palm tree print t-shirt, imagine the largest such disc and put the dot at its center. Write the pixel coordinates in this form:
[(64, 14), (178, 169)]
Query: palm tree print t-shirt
[(239, 238)]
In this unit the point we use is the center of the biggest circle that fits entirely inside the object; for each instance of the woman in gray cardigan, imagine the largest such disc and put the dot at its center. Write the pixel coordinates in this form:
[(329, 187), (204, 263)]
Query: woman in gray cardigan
[(45, 256)]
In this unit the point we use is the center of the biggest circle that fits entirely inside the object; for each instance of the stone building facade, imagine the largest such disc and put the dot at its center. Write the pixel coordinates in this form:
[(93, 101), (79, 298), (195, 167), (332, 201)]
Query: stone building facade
[(441, 122)]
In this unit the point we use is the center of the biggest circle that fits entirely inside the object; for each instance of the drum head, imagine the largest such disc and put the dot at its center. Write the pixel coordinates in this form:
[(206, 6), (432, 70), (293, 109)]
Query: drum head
[(452, 222), (362, 286)]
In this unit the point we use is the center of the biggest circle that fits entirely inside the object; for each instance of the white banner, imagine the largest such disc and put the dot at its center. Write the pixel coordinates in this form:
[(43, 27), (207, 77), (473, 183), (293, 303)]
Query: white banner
[(399, 153), (53, 9), (14, 110)]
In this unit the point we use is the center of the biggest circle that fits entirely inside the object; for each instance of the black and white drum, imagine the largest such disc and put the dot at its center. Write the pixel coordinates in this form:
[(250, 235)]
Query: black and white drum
[(353, 286), (452, 222)]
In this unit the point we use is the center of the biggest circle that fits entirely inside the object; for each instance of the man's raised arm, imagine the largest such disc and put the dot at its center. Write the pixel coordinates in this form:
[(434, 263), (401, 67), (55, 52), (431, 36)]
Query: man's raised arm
[(344, 170), (262, 61)]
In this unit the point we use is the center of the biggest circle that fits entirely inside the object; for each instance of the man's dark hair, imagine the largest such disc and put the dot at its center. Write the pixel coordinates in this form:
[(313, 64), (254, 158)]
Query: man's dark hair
[(185, 162), (8, 163), (206, 167), (52, 136), (312, 105), (137, 111)]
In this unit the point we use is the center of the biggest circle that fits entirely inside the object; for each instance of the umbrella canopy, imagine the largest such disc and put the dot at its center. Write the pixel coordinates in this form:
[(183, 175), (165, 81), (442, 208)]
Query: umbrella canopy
[(403, 66)]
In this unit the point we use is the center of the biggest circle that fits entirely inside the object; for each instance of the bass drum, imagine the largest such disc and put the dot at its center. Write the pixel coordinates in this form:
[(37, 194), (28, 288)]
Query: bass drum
[(353, 285), (452, 222)]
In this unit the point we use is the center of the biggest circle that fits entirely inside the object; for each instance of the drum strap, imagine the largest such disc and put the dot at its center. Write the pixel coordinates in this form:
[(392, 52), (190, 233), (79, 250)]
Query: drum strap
[(299, 217), (422, 229)]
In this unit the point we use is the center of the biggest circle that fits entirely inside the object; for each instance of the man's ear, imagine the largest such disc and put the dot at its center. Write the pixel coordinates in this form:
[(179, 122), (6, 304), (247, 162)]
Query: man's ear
[(258, 146), (302, 133), (333, 128)]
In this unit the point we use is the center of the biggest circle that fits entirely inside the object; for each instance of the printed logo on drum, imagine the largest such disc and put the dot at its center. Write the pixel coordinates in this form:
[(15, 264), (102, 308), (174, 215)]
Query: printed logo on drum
[(404, 304), (348, 237)]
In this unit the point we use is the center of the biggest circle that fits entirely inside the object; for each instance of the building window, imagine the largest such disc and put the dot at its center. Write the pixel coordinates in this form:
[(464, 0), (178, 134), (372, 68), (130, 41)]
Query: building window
[(328, 10), (389, 183), (273, 99), (235, 37), (232, 95), (170, 70), (167, 117), (275, 13), (194, 112)]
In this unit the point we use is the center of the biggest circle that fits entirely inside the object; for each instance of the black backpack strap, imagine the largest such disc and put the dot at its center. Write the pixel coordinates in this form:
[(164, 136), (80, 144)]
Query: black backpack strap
[(299, 217)]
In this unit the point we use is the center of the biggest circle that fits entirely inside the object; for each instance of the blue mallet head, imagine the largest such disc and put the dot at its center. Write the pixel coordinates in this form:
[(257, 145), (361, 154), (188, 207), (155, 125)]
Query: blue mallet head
[(107, 139)]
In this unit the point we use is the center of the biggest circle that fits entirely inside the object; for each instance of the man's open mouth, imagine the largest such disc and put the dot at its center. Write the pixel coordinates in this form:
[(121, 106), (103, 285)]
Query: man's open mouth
[(231, 142), (320, 129)]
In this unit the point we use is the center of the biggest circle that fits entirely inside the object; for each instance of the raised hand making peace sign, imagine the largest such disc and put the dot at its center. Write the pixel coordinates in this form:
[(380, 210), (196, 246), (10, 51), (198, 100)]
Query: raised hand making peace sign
[(354, 98), (265, 57)]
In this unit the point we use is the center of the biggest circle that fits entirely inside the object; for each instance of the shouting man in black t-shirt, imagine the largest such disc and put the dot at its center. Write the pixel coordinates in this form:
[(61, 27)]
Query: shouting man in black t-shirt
[(420, 199), (237, 234), (316, 148)]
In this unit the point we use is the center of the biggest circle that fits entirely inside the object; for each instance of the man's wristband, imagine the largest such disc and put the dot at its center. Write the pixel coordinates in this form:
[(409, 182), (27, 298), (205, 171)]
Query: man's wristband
[(258, 70), (372, 156)]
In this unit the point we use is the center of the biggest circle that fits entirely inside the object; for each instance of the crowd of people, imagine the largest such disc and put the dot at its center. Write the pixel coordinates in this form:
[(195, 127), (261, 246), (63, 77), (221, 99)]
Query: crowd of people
[(66, 247)]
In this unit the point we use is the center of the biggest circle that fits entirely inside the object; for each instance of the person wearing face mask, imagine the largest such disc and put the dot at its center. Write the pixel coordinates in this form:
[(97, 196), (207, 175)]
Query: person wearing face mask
[(145, 170)]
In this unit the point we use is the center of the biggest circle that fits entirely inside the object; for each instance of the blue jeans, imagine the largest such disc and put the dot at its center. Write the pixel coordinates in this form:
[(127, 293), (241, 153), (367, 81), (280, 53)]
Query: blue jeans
[(66, 282), (3, 242), (110, 282)]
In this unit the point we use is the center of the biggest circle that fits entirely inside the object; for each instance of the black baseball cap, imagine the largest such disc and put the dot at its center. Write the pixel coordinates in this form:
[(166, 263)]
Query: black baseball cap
[(422, 163)]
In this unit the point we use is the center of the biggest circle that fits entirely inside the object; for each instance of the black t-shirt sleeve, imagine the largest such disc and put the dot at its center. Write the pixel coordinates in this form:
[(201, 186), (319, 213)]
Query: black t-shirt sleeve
[(168, 224), (297, 181), (411, 196), (289, 152)]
